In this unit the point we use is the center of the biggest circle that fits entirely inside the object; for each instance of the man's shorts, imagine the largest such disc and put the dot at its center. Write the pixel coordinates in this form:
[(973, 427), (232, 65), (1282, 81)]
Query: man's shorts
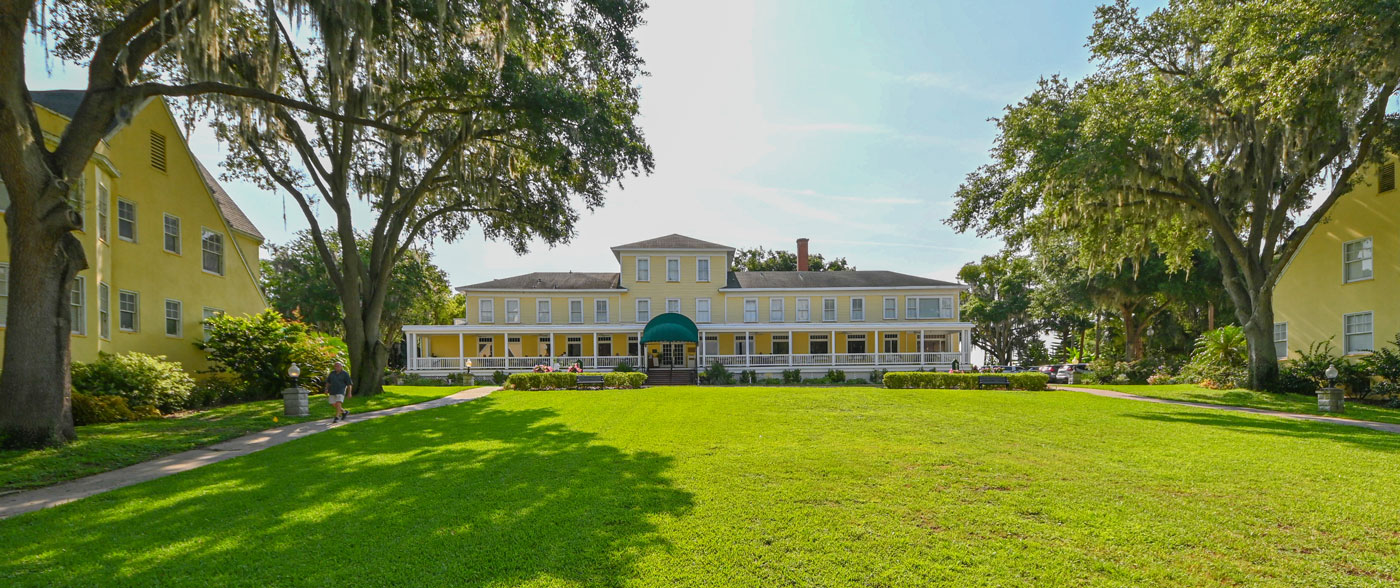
[(334, 398)]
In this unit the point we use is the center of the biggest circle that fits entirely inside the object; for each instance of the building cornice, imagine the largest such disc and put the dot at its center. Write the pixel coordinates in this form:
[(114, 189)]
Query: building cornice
[(467, 290)]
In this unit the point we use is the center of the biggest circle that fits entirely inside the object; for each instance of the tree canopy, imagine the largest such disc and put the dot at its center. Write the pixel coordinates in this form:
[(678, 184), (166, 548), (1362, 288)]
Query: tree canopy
[(759, 259)]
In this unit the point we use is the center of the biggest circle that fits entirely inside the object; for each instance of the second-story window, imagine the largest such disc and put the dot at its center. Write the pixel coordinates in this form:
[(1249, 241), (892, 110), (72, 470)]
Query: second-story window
[(750, 310), (673, 269), (857, 308), (643, 269), (126, 220), (804, 309), (576, 311), (600, 310), (891, 308), (513, 310), (1356, 260), (828, 309), (673, 305), (928, 307), (542, 314), (104, 203), (172, 234), (643, 310), (702, 269), (775, 310), (213, 246), (702, 310), (486, 311)]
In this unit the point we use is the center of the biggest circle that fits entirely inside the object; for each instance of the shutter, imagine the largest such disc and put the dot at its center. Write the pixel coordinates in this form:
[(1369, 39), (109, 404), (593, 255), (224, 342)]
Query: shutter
[(1387, 182), (157, 151)]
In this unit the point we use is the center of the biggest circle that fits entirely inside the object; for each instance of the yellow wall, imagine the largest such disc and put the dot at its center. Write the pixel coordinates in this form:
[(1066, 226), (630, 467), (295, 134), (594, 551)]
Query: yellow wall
[(1312, 298), (142, 265)]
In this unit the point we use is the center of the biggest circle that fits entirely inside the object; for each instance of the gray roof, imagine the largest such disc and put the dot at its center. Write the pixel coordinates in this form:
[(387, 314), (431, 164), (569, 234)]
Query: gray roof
[(65, 102), (839, 279), (551, 281), (673, 241)]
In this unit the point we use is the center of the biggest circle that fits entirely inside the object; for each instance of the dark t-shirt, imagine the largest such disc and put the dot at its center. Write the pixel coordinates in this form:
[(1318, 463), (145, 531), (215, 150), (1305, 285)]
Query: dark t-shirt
[(338, 382)]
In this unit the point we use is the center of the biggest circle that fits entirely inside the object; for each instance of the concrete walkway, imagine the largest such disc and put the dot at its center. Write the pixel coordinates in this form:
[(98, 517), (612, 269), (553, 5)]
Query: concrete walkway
[(1384, 427), (32, 500)]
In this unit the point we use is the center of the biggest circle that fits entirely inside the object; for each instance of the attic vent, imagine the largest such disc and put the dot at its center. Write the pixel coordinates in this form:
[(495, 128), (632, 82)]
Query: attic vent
[(1388, 177), (157, 151)]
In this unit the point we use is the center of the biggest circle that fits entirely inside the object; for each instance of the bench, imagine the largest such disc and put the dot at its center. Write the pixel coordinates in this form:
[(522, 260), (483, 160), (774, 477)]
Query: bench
[(588, 380), (984, 381)]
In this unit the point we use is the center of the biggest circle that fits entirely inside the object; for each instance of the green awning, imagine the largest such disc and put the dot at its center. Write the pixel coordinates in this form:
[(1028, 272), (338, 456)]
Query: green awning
[(670, 327)]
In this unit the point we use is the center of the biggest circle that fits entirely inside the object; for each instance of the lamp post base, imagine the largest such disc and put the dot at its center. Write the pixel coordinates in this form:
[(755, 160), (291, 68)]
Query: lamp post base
[(294, 402), (1331, 400)]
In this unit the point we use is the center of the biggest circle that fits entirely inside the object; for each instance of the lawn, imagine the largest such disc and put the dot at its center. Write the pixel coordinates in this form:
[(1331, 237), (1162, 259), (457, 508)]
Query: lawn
[(1295, 403), (100, 448), (754, 487)]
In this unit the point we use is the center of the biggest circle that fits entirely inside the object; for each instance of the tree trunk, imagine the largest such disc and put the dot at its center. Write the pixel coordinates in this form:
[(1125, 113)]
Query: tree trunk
[(34, 385), (1130, 333), (1259, 334)]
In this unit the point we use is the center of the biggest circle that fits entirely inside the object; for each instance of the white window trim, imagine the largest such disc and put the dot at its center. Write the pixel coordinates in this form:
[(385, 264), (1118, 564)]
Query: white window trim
[(890, 337), (179, 236), (1285, 337), (668, 269), (678, 305), (755, 310), (104, 300), (135, 232), (180, 322), (708, 269), (835, 310), (79, 327), (486, 307), (853, 309), (781, 307), (580, 311), (953, 306), (607, 310), (884, 304), (637, 310), (206, 313), (709, 310), (1372, 332), (135, 313), (204, 233), (1345, 261), (642, 260), (104, 209), (797, 311), (517, 311), (548, 306)]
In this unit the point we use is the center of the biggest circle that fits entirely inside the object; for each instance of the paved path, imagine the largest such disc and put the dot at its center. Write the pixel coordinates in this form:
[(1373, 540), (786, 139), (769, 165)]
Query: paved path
[(1385, 427), (32, 500)]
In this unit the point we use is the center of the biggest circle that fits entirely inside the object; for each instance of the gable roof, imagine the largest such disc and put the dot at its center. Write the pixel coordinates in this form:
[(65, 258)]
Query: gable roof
[(551, 281), (837, 279), (65, 102), (673, 241)]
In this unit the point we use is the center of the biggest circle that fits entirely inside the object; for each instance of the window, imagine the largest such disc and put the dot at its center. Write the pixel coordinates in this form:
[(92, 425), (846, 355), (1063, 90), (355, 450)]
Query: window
[(1356, 260), (104, 209), (891, 308), (173, 322), (818, 344), (702, 310), (711, 345), (643, 269), (486, 311), (828, 309), (857, 308), (775, 310), (546, 347), (513, 310), (891, 342), (928, 307), (633, 348), (643, 310), (172, 234), (781, 345), (605, 346), (213, 245), (855, 343), (600, 311), (104, 310), (702, 269), (158, 151), (77, 306), (542, 312), (4, 291), (1359, 331), (750, 310), (743, 344), (673, 305), (485, 346), (804, 309), (77, 196), (1281, 340), (573, 347), (128, 310), (126, 220), (673, 269), (1387, 181), (207, 314), (576, 310), (514, 348), (936, 343)]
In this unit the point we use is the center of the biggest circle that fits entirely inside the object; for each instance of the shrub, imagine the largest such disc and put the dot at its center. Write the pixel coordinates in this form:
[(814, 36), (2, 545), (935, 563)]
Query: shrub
[(1032, 381), (878, 376), (718, 374), (143, 380), (498, 377), (1218, 360), (770, 382), (92, 410), (1312, 364), (260, 348), (835, 376), (792, 376), (217, 389), (857, 381), (566, 380), (815, 381), (1292, 380), (748, 377), (623, 367)]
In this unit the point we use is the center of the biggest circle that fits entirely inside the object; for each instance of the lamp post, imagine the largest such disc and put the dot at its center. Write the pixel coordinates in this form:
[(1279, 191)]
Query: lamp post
[(294, 401), (469, 371), (1330, 399)]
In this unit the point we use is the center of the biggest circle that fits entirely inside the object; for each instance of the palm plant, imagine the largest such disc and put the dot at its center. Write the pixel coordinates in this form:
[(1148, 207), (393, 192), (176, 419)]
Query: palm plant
[(1225, 346)]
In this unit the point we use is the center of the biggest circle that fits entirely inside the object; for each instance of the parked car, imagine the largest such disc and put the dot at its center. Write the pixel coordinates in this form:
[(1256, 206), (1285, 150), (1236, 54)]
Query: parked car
[(1071, 373), (1049, 370)]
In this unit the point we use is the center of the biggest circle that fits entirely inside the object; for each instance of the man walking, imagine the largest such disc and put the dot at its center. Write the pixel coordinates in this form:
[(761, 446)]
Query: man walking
[(338, 386)]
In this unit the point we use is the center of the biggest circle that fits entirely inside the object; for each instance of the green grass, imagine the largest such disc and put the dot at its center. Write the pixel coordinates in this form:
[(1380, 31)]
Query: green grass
[(1295, 403), (101, 448), (754, 487)]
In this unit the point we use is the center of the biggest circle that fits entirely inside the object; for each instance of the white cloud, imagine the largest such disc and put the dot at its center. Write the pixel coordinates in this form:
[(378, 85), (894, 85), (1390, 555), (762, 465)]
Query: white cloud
[(1000, 94)]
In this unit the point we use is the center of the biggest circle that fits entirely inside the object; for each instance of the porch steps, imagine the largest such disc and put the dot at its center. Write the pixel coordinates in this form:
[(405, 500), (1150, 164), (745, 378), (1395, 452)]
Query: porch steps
[(665, 377)]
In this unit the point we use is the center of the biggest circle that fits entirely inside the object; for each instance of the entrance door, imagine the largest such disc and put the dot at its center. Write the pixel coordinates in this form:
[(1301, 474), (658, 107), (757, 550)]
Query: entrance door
[(673, 354)]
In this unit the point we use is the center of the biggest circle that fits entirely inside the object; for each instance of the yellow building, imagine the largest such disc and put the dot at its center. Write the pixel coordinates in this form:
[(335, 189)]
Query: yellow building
[(857, 321), (1344, 282), (166, 246)]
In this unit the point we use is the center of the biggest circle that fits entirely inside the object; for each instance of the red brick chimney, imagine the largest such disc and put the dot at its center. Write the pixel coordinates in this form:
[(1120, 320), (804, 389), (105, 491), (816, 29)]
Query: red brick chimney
[(802, 254)]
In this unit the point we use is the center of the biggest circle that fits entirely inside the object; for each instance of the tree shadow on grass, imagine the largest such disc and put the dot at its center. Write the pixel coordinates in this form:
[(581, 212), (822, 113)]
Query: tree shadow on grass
[(461, 495), (1291, 428)]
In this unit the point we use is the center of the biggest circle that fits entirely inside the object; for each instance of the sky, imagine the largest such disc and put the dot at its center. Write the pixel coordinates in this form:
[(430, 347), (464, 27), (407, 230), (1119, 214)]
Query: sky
[(850, 123)]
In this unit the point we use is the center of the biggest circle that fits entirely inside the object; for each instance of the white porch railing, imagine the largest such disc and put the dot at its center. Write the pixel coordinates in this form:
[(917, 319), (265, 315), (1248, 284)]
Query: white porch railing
[(934, 360)]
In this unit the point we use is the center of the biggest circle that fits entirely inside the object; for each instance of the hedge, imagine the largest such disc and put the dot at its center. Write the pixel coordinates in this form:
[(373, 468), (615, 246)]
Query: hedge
[(566, 380), (945, 381)]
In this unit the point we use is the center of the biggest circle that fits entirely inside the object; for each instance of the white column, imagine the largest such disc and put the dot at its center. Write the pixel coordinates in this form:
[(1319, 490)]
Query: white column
[(921, 348), (879, 346), (461, 351), (700, 349), (792, 345), (831, 346), (747, 351), (410, 347), (595, 350)]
